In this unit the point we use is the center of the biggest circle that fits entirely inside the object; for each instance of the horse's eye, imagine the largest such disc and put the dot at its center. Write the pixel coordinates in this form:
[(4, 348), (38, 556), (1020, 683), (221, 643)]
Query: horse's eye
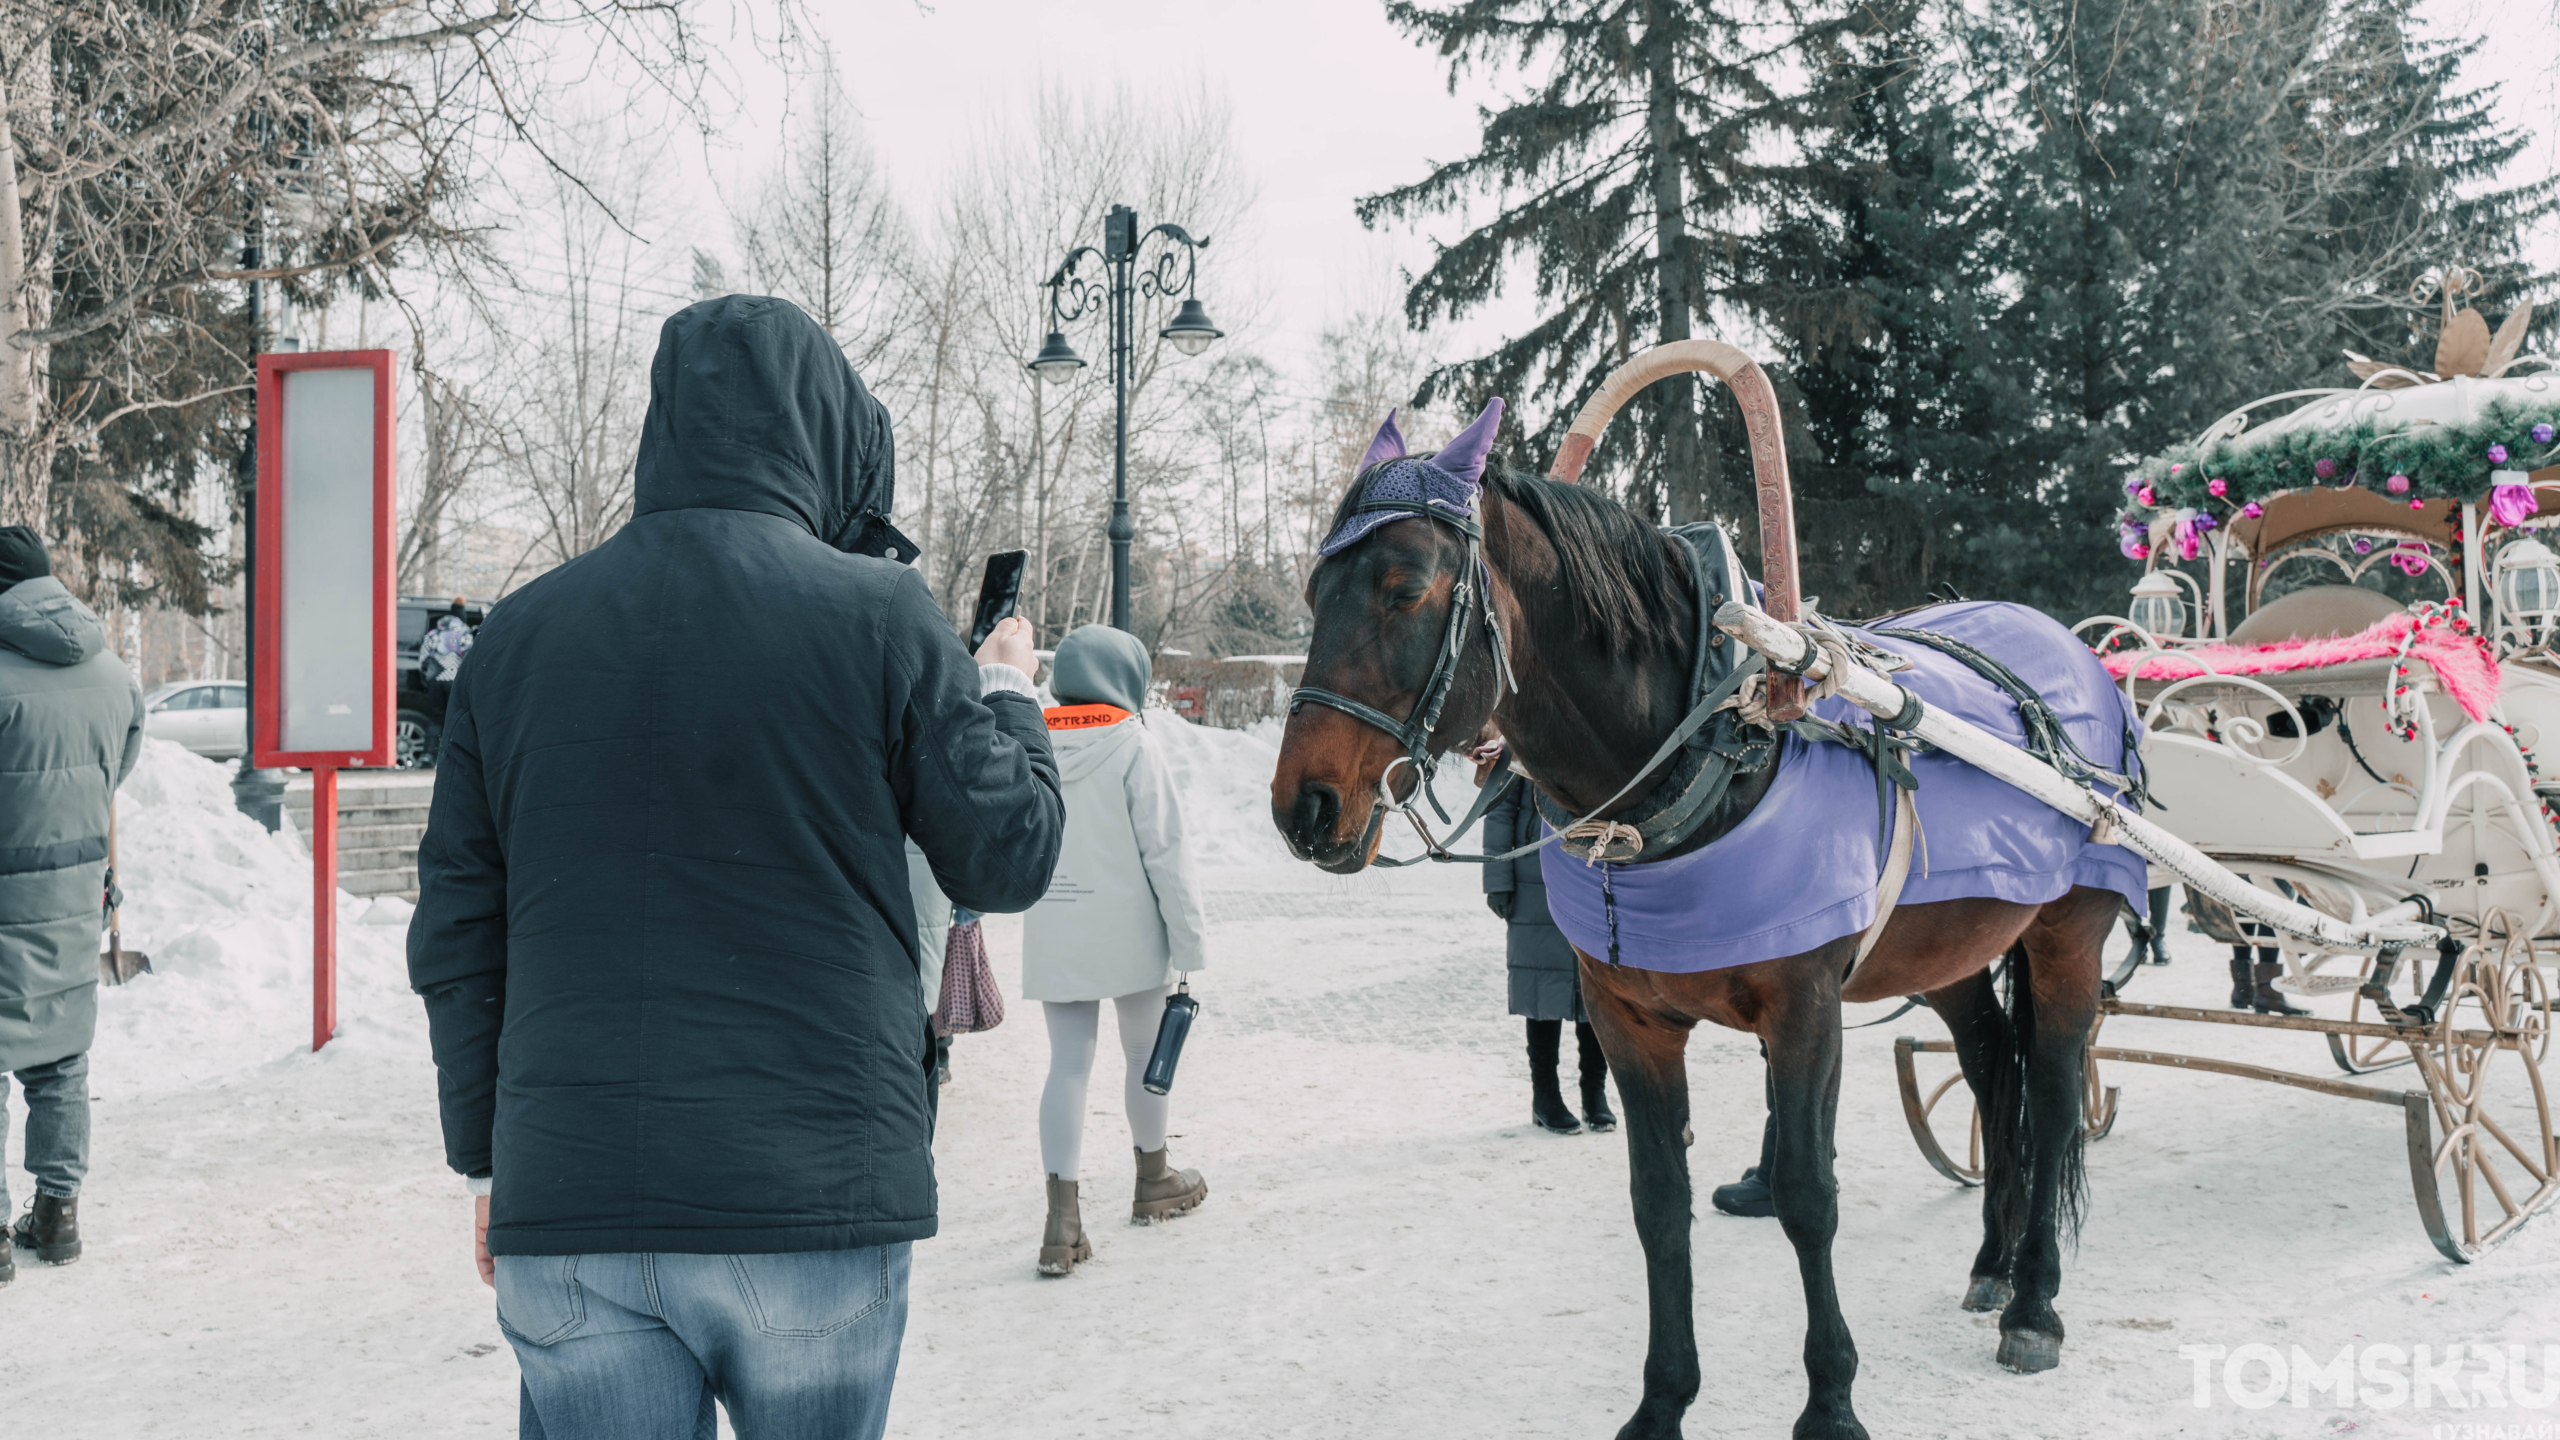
[(1408, 597)]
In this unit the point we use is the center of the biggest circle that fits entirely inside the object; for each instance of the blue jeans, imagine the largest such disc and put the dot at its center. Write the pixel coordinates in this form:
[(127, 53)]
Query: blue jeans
[(57, 1127), (637, 1347)]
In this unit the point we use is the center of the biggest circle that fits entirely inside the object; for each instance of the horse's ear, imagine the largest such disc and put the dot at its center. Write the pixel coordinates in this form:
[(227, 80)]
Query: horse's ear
[(1389, 445), (1463, 458)]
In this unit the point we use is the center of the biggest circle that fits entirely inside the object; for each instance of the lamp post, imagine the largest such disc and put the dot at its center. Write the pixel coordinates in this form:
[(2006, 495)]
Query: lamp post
[(1072, 296)]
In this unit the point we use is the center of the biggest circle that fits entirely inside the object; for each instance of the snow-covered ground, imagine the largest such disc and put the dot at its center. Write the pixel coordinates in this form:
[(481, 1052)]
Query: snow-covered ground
[(1389, 1249)]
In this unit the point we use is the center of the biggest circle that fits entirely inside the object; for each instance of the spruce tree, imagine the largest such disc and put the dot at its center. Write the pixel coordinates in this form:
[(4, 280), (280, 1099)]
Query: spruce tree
[(1624, 180)]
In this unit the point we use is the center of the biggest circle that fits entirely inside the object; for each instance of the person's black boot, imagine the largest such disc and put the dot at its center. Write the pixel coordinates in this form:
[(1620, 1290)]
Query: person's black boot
[(2160, 926), (1747, 1197), (2266, 999), (2244, 986), (1547, 1109), (8, 1260), (1597, 1117), (50, 1230), (941, 1059)]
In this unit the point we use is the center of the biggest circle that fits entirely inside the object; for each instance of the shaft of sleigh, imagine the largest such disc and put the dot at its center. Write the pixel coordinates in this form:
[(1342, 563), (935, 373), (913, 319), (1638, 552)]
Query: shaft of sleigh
[(1788, 647)]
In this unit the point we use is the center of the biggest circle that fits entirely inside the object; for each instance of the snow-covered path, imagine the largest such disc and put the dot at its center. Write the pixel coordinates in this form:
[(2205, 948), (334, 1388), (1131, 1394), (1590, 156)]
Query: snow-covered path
[(1389, 1249)]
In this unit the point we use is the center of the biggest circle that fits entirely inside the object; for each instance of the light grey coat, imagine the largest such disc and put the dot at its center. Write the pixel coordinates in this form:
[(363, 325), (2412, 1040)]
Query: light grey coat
[(70, 729), (1123, 910)]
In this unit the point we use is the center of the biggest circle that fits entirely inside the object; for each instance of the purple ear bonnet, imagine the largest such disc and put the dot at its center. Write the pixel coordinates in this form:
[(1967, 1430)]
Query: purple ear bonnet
[(1446, 481)]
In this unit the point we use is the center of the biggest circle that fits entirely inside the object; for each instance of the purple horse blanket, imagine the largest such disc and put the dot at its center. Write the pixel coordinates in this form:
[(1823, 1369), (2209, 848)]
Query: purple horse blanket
[(1800, 870)]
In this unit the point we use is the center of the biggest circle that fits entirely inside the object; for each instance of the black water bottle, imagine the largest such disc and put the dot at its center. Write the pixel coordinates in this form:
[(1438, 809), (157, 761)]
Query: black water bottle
[(1179, 1007)]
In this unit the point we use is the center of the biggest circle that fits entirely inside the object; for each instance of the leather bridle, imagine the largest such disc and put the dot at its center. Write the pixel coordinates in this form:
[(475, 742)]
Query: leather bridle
[(1469, 596)]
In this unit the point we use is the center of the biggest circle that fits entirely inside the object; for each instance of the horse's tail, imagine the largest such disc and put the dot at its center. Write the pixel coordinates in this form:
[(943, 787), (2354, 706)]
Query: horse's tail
[(2009, 1122)]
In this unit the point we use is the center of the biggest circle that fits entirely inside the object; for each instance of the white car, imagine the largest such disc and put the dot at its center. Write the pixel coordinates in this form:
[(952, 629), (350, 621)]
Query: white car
[(210, 717)]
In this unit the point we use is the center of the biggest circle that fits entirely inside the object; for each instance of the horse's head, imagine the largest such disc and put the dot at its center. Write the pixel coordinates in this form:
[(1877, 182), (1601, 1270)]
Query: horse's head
[(1399, 599)]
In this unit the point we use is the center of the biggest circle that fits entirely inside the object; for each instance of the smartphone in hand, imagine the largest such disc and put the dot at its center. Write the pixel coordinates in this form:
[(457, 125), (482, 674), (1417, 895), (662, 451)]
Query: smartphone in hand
[(997, 593)]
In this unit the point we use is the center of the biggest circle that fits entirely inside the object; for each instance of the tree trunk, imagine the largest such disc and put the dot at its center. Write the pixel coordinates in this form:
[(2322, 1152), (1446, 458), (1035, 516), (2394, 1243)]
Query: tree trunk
[(25, 461), (1683, 485)]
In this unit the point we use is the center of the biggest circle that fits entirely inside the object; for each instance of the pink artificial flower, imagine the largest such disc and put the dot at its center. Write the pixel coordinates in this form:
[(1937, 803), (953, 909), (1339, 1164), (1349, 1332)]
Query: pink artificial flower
[(2509, 504), (2177, 469)]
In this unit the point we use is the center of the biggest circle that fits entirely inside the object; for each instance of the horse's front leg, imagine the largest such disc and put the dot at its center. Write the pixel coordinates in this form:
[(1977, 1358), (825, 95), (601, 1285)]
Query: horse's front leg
[(1647, 1052), (1801, 1024)]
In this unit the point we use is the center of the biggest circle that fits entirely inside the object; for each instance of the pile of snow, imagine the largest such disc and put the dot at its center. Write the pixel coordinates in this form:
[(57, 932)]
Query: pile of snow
[(1224, 779), (223, 908)]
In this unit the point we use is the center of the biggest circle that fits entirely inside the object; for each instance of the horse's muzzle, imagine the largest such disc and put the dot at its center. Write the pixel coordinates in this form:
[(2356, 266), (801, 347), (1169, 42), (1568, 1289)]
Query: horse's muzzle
[(1308, 822)]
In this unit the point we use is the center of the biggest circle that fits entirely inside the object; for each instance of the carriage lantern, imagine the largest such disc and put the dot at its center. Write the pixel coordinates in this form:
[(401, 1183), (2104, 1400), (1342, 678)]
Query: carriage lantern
[(2528, 587), (2157, 606)]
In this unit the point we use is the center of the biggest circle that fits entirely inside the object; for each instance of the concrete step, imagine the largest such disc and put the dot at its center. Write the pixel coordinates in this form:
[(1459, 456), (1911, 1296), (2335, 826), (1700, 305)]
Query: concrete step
[(377, 857), (408, 817), (381, 882), (375, 837)]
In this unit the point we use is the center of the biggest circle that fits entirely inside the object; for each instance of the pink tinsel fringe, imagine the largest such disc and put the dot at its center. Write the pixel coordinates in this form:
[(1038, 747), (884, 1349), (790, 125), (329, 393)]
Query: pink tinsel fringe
[(2461, 662)]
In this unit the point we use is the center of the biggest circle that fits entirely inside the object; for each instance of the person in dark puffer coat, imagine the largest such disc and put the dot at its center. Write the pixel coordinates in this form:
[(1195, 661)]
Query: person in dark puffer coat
[(1546, 982), (665, 934)]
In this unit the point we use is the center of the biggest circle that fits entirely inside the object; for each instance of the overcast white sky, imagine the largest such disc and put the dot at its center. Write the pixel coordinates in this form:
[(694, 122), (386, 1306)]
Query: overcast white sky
[(1330, 103)]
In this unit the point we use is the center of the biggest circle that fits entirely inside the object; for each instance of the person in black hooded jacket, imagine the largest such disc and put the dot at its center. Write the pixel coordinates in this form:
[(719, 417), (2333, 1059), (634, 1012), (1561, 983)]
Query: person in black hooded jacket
[(664, 933)]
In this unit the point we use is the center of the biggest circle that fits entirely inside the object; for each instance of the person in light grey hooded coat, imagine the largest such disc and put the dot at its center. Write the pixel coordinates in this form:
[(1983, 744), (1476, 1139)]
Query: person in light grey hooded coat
[(70, 730), (1121, 918)]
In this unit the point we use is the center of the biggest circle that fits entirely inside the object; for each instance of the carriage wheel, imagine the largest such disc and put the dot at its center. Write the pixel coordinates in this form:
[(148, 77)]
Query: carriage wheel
[(1934, 1113), (2482, 1154), (2364, 1054)]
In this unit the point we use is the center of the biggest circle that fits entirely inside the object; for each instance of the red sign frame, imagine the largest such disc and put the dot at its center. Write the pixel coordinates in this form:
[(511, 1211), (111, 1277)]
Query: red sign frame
[(266, 709)]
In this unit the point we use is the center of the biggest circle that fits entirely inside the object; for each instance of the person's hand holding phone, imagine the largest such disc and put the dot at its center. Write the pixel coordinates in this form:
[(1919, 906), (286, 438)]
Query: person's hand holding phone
[(1010, 644)]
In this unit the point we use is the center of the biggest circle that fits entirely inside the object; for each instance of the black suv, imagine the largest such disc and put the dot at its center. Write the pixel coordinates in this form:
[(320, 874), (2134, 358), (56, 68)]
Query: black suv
[(421, 701)]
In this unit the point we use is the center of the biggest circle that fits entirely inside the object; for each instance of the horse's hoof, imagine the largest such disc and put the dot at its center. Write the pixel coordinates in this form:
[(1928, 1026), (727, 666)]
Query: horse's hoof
[(1987, 1292), (1829, 1424), (2029, 1352)]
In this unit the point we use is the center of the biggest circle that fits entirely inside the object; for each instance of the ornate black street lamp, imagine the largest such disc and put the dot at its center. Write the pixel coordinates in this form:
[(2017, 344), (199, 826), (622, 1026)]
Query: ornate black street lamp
[(1073, 296)]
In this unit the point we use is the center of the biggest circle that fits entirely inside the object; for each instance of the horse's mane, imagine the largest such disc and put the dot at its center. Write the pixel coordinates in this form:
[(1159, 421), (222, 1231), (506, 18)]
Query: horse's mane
[(1620, 575)]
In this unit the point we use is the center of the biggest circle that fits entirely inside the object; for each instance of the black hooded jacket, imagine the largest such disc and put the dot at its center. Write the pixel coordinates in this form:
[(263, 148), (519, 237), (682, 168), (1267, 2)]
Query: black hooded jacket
[(663, 927)]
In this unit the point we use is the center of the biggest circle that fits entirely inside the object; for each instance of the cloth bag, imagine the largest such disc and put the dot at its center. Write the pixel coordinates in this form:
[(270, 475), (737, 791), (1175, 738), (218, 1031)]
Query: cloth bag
[(970, 1000)]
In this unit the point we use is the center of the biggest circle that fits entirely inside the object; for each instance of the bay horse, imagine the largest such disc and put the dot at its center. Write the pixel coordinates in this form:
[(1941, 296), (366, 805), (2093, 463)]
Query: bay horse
[(1590, 612)]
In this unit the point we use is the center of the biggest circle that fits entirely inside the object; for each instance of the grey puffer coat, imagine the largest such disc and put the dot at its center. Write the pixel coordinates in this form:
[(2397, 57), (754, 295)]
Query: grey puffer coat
[(70, 728), (1544, 970)]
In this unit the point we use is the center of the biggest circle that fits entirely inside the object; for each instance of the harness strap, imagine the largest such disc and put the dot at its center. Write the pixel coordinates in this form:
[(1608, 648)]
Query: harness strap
[(1897, 872), (1698, 716)]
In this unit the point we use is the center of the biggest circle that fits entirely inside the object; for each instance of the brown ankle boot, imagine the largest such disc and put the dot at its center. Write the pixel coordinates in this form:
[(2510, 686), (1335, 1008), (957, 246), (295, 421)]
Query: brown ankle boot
[(1062, 1244), (50, 1230), (2269, 1000), (1164, 1192)]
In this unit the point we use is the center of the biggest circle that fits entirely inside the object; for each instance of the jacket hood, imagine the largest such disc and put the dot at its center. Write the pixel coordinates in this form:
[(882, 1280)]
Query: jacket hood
[(1081, 752), (1096, 664), (752, 407), (39, 618)]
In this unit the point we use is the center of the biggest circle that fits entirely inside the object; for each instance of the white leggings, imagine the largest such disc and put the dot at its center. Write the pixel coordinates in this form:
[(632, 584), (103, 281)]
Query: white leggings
[(1074, 1027)]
